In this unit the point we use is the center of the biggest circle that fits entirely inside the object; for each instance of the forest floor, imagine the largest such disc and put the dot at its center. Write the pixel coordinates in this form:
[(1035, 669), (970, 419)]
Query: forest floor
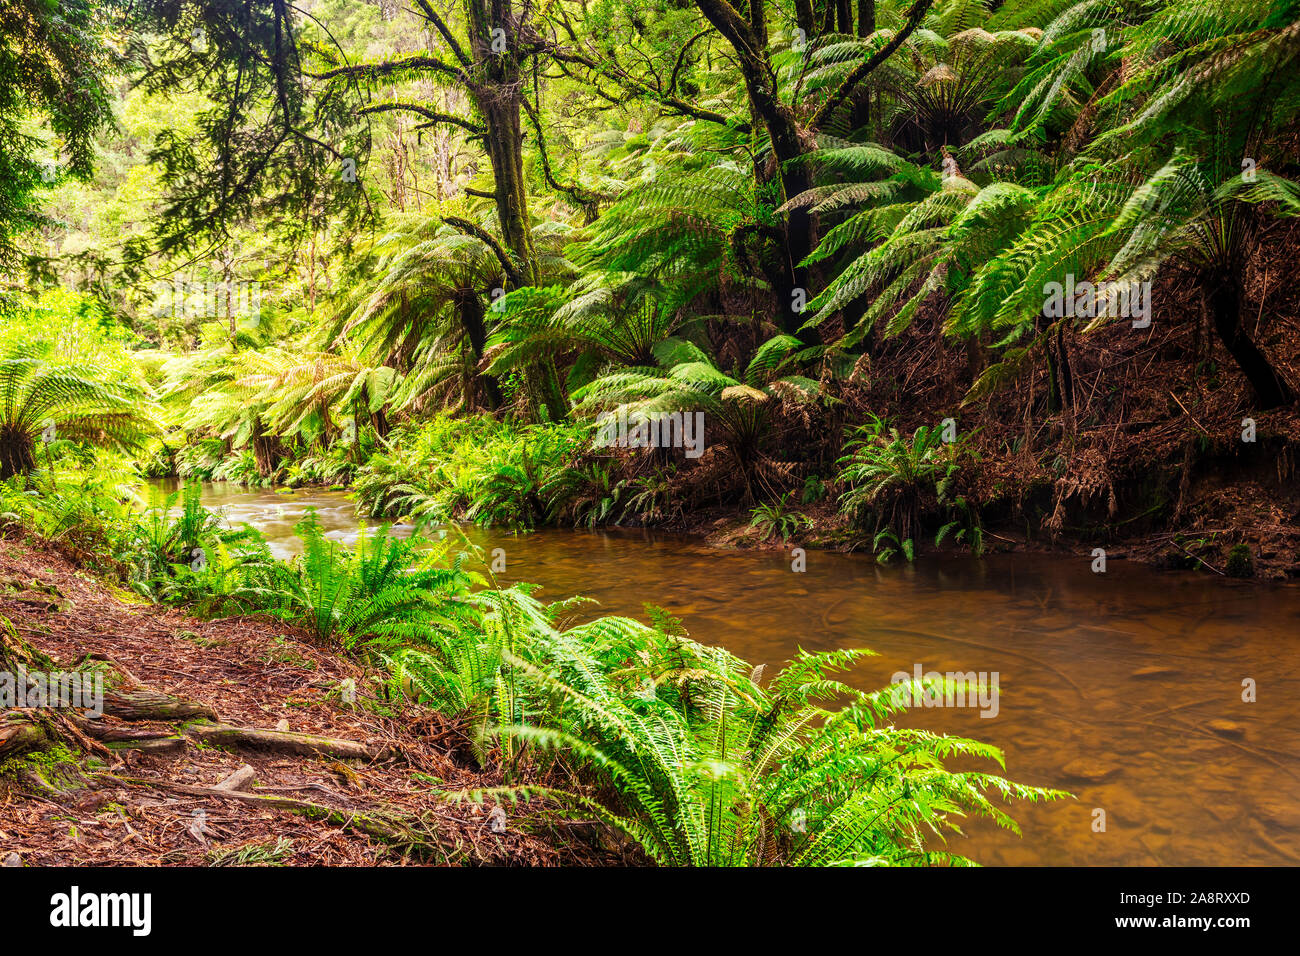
[(150, 796)]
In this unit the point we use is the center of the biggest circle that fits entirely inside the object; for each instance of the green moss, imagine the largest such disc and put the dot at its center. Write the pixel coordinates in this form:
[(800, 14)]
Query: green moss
[(1241, 562), (49, 764), (197, 639)]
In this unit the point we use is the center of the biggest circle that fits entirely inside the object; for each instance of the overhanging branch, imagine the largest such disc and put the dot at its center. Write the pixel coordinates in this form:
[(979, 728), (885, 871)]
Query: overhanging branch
[(579, 194), (914, 17), (433, 117), (513, 275)]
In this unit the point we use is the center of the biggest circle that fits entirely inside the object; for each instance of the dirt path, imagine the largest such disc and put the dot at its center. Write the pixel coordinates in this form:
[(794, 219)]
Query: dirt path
[(255, 674)]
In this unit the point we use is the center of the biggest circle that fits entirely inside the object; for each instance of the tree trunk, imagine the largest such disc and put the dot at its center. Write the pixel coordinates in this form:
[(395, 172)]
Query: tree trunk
[(16, 452), (268, 452), (789, 142), (805, 19), (758, 21), (498, 94), (1270, 388), (505, 147), (473, 321), (1067, 375), (1053, 381), (544, 386), (866, 17), (975, 361)]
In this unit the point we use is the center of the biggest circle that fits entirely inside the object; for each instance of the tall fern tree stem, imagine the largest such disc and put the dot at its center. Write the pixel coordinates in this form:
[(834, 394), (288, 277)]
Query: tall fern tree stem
[(1270, 387)]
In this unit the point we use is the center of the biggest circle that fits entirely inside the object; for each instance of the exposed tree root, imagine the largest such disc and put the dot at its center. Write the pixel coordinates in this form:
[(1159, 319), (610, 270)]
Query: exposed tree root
[(30, 730), (181, 767), (282, 742), (411, 835), (152, 705), (19, 734), (25, 730)]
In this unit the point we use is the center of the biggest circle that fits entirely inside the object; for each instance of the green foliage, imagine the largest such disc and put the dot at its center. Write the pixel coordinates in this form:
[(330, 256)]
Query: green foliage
[(385, 590), (814, 490), (741, 408), (587, 493), (421, 300), (55, 60), (271, 853), (1241, 562), (701, 766), (777, 520), (678, 746), (167, 538), (488, 472), (85, 513), (42, 399), (1065, 160), (889, 479), (886, 544)]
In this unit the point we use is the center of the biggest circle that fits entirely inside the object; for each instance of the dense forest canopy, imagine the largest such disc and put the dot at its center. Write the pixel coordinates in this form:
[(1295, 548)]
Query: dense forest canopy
[(327, 219)]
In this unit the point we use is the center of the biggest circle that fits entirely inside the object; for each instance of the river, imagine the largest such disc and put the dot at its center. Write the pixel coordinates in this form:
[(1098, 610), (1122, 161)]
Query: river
[(1124, 687)]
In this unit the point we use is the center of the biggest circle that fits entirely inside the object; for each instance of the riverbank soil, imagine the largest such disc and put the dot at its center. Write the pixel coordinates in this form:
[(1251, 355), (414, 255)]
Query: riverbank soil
[(1147, 442), (231, 742)]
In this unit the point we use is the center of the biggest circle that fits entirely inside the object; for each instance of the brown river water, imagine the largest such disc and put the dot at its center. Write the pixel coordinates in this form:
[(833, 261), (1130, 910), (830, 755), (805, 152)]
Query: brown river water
[(1125, 687)]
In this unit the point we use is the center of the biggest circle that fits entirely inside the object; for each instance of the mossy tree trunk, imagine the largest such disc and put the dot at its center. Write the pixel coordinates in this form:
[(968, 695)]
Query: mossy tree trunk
[(17, 453)]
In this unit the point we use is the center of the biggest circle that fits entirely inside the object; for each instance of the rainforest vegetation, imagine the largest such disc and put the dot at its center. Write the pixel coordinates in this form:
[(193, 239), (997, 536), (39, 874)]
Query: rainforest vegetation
[(932, 274)]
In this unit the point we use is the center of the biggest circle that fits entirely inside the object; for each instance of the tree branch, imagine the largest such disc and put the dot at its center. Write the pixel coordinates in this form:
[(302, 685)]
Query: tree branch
[(579, 194), (513, 275), (634, 86), (431, 15), (374, 70), (434, 118), (681, 59), (914, 17)]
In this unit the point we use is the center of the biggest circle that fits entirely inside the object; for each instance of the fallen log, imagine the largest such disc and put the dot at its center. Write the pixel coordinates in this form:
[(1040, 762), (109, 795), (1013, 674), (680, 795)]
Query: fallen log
[(281, 742), (146, 704)]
